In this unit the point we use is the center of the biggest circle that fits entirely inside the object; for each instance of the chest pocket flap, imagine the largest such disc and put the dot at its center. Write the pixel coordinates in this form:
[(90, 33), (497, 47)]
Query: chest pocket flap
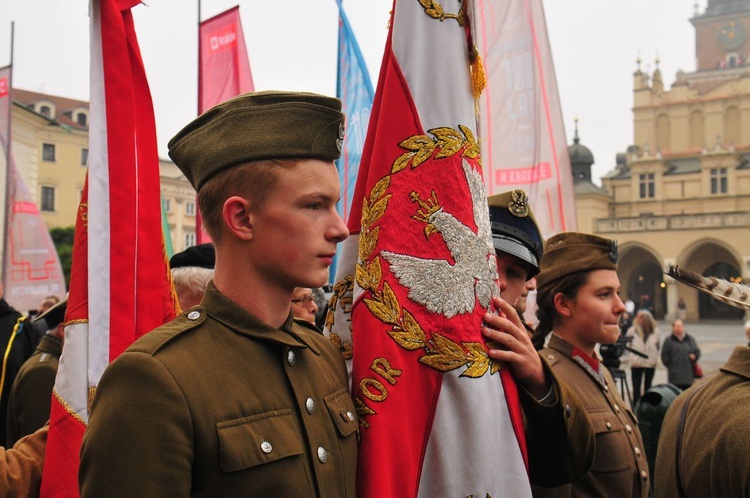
[(342, 411), (259, 439)]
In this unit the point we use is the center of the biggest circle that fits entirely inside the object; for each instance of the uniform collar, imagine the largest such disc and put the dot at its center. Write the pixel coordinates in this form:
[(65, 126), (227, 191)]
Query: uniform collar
[(592, 366), (738, 362), (50, 344), (224, 310)]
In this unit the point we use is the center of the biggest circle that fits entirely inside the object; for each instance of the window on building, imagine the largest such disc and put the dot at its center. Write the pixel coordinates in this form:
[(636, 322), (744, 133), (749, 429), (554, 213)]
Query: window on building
[(84, 157), (48, 152), (48, 199), (662, 133), (718, 180), (647, 186), (190, 208), (45, 111), (732, 126), (189, 239), (697, 130), (82, 119), (166, 204)]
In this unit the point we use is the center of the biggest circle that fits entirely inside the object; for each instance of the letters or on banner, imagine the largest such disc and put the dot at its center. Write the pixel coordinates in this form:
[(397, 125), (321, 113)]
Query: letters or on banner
[(437, 416), (521, 128)]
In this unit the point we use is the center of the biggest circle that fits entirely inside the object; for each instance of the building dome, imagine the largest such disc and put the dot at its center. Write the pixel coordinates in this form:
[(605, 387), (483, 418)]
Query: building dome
[(579, 153), (581, 159)]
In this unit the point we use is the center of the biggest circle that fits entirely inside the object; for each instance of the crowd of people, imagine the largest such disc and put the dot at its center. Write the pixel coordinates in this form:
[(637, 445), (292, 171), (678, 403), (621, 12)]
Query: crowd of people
[(243, 395)]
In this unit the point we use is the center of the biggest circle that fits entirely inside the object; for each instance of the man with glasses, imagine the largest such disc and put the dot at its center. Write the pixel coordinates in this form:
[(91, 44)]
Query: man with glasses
[(303, 304)]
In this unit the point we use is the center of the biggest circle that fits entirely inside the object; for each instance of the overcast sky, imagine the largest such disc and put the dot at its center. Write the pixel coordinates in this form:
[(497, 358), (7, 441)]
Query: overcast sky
[(292, 46)]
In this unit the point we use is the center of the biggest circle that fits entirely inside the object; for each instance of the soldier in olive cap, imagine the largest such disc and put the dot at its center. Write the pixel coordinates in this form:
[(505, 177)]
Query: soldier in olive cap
[(578, 301), (234, 397)]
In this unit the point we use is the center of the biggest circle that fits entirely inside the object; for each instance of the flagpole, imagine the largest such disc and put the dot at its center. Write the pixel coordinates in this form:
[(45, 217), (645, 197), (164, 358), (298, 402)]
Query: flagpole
[(198, 219), (7, 154)]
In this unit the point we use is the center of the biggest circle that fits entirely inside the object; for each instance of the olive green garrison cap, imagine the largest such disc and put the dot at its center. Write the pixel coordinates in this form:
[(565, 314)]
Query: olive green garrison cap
[(256, 126)]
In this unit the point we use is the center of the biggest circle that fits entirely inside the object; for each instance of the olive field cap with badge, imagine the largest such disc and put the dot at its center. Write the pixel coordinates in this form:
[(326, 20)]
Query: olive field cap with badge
[(570, 252), (514, 228), (257, 126)]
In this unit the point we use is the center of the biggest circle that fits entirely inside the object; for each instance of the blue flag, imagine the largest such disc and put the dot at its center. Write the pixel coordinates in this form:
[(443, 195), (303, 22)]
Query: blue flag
[(354, 88)]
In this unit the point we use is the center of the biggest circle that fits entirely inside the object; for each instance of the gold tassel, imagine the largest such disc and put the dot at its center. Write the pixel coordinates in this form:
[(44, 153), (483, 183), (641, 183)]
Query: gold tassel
[(478, 76)]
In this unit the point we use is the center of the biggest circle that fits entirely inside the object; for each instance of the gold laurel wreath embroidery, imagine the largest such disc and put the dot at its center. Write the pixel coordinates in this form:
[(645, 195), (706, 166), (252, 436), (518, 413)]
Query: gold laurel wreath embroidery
[(441, 353), (433, 9)]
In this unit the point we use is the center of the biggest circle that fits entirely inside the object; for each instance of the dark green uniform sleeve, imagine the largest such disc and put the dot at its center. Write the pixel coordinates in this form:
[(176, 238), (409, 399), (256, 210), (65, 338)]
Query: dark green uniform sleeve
[(139, 439), (560, 436)]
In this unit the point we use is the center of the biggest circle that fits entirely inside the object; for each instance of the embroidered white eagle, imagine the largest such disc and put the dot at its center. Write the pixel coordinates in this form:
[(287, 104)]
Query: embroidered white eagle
[(451, 289)]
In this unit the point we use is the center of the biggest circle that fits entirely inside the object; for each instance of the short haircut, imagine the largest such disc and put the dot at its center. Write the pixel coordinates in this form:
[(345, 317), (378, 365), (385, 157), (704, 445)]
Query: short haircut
[(252, 181)]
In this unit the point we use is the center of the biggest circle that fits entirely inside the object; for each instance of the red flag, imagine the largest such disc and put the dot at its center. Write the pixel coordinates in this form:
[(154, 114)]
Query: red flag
[(521, 129), (224, 65), (224, 70), (120, 287), (438, 417)]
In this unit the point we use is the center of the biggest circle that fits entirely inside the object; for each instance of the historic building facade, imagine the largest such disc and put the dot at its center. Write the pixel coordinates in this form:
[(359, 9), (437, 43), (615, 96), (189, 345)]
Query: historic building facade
[(50, 138), (680, 195)]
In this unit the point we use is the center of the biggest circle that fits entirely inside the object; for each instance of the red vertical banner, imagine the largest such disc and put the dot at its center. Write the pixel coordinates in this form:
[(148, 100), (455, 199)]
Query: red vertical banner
[(224, 71), (521, 126), (120, 287), (224, 64)]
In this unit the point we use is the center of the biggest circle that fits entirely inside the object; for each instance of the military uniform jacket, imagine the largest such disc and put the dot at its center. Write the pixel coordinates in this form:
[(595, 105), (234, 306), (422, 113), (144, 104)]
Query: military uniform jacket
[(715, 448), (216, 403), (620, 468), (31, 395)]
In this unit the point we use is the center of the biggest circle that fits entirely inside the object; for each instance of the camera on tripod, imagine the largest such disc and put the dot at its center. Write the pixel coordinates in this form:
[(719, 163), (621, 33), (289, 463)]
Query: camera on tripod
[(611, 353)]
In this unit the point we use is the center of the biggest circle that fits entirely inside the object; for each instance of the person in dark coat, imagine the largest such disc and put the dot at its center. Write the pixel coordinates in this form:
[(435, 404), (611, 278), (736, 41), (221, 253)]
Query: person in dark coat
[(18, 340), (235, 397), (678, 354), (31, 394)]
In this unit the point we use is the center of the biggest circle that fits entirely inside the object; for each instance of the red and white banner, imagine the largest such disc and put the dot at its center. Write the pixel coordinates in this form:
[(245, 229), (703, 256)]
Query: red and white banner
[(120, 287), (438, 418), (224, 71), (32, 267), (521, 128)]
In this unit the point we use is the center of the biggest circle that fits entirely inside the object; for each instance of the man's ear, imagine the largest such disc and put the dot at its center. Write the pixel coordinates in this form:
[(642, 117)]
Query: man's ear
[(562, 305), (237, 219)]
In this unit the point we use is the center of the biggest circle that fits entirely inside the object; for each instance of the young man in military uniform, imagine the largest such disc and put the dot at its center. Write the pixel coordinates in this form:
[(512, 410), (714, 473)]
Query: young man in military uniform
[(559, 434), (234, 397)]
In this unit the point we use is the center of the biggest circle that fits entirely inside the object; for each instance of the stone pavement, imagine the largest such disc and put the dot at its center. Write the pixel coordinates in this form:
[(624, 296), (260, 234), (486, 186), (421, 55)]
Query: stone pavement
[(716, 339)]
